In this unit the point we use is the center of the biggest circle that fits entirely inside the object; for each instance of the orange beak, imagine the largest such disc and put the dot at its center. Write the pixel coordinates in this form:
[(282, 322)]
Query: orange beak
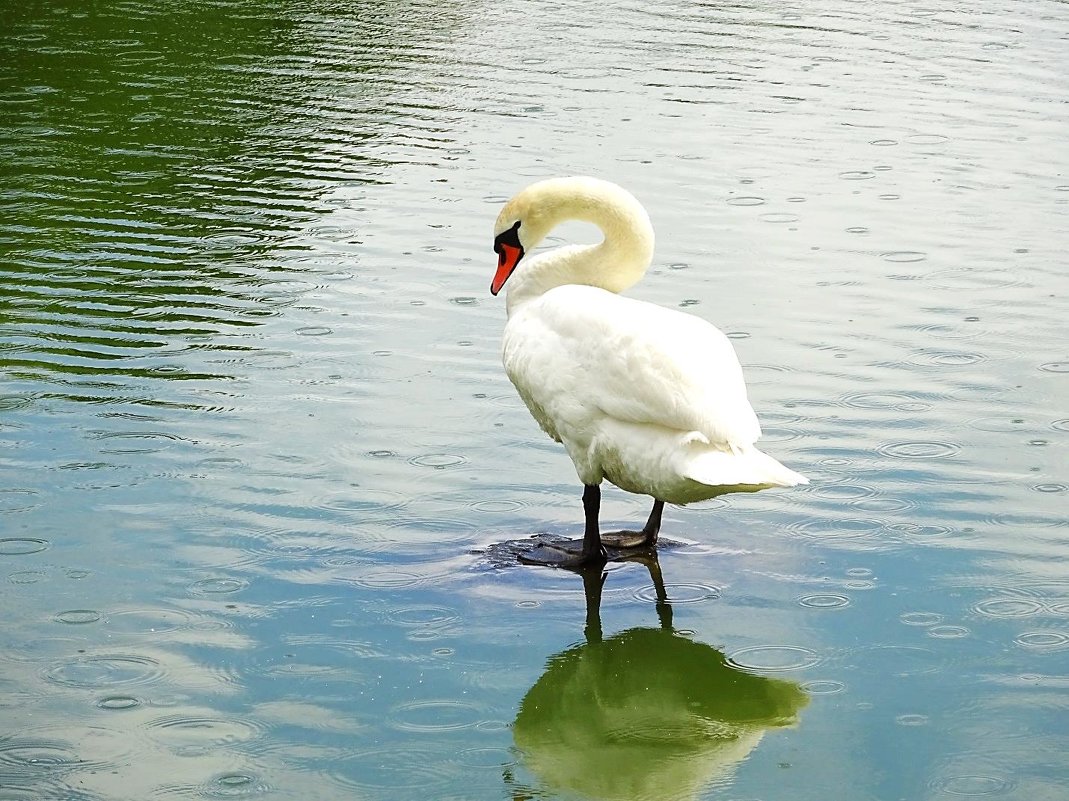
[(508, 256)]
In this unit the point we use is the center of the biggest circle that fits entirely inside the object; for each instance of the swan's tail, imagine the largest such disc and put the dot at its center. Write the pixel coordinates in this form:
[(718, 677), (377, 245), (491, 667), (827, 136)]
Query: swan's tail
[(746, 467)]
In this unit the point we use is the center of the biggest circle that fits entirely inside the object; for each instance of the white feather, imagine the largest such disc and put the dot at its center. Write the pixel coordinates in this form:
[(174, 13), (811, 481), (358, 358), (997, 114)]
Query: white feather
[(650, 398)]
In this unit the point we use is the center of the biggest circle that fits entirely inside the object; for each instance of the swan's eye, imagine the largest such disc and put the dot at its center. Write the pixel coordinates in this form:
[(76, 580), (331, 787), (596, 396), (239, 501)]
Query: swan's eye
[(509, 237)]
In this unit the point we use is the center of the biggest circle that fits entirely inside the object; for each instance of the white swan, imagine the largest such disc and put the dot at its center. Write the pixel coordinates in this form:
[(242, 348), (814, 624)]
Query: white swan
[(650, 398)]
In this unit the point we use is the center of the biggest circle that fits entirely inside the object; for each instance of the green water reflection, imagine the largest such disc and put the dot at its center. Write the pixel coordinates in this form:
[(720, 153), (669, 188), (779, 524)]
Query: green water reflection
[(161, 162), (646, 713)]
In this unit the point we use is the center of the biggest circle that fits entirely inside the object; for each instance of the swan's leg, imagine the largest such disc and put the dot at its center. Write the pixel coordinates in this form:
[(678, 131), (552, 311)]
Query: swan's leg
[(646, 538), (592, 548), (575, 553)]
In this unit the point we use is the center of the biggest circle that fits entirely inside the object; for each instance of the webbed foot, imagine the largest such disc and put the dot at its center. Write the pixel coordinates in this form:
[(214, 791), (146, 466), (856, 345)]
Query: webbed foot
[(568, 554), (629, 540)]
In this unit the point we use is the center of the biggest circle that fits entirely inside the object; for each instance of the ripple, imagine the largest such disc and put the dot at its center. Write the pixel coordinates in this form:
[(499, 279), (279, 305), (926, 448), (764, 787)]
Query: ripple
[(154, 621), (912, 720), (781, 434), (1008, 607), (439, 461), (973, 785), (774, 658), (485, 758), (921, 618), (1001, 425), (26, 576), (943, 358), (883, 505), (903, 256), (21, 546), (837, 530), (105, 670), (680, 593), (746, 200), (198, 733), (234, 785), (927, 139), (118, 702), (824, 601), (18, 500), (918, 450), (423, 615), (78, 617), (364, 501), (302, 670), (824, 687), (968, 279), (857, 175), (884, 400), (1060, 425), (1051, 487), (434, 716), (903, 660), (217, 586), (430, 532), (9, 403), (1055, 367), (388, 579), (841, 492), (394, 769), (1043, 640), (497, 506), (948, 632), (940, 331), (27, 758), (314, 331)]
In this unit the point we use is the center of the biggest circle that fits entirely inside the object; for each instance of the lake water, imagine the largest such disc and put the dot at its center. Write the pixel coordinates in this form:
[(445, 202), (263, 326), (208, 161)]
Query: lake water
[(255, 435)]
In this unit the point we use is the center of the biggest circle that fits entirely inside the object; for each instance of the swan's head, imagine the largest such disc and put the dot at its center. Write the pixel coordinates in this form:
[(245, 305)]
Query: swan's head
[(523, 223), (529, 216)]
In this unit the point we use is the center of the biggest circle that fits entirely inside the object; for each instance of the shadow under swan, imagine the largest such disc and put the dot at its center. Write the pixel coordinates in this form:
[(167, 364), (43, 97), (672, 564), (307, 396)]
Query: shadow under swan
[(646, 714)]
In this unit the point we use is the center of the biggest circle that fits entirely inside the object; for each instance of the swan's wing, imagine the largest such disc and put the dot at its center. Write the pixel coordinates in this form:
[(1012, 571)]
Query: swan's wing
[(580, 351)]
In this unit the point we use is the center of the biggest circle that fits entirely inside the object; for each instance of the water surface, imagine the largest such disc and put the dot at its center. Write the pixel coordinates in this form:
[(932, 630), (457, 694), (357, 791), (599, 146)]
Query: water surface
[(254, 432)]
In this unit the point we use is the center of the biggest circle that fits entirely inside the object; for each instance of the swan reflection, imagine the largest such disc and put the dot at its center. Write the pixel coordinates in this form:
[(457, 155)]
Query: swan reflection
[(643, 714)]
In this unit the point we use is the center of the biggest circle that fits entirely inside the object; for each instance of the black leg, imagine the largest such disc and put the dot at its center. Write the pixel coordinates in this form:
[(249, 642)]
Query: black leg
[(645, 539), (653, 523), (574, 554), (592, 534)]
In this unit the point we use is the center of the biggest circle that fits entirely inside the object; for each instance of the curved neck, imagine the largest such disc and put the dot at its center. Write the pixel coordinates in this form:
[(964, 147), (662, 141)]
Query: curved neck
[(614, 264)]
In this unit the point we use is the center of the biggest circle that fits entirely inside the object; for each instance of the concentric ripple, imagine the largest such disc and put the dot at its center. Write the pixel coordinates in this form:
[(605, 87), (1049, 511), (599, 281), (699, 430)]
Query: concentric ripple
[(680, 593), (828, 600), (21, 546), (101, 671), (435, 716), (919, 449), (196, 733), (774, 658), (397, 769)]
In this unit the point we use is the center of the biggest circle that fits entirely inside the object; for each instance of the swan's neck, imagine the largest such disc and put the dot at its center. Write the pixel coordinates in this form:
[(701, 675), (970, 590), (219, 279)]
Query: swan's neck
[(614, 264)]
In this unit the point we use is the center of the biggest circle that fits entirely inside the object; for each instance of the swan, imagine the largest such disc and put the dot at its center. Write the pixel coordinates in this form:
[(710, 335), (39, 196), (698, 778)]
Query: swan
[(651, 399)]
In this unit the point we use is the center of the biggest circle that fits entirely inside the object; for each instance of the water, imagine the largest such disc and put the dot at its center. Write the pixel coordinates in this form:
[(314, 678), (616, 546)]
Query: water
[(254, 431)]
